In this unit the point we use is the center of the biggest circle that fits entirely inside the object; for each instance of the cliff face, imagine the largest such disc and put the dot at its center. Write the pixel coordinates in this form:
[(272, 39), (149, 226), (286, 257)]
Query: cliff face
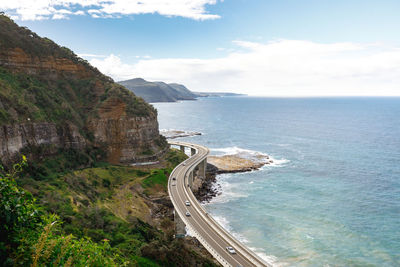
[(17, 60), (129, 139), (13, 138), (50, 97)]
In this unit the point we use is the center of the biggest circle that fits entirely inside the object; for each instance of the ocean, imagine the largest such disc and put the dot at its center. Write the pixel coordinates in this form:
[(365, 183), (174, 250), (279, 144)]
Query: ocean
[(332, 196)]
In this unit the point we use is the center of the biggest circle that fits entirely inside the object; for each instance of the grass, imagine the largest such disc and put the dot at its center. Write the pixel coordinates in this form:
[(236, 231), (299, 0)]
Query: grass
[(157, 181), (106, 202), (157, 177)]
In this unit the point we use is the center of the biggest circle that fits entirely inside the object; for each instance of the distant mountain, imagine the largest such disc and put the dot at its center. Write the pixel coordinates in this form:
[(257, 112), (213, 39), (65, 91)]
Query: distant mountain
[(216, 94), (158, 91)]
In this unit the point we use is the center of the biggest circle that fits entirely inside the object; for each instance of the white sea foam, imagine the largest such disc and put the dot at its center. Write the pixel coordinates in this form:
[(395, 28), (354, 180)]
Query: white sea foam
[(226, 191), (275, 163), (309, 237), (253, 155), (234, 150), (225, 224), (229, 191), (270, 259)]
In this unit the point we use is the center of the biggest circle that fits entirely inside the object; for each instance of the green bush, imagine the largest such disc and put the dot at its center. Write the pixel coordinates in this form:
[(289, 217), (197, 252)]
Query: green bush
[(29, 237)]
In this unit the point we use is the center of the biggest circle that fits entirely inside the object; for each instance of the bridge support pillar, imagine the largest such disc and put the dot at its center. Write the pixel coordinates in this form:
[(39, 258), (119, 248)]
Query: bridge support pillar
[(190, 179), (180, 230), (182, 148), (202, 169), (193, 151)]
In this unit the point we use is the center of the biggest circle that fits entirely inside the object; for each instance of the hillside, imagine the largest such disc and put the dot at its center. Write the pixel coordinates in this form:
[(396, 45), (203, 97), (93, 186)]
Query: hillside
[(52, 99), (158, 91), (104, 215), (75, 200)]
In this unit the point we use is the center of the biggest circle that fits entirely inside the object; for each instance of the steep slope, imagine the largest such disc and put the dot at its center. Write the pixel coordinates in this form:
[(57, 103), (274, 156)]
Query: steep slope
[(52, 99), (183, 91), (158, 91)]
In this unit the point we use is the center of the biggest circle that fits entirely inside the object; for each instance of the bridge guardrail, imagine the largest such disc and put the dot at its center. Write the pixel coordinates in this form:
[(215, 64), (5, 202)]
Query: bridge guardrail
[(250, 255)]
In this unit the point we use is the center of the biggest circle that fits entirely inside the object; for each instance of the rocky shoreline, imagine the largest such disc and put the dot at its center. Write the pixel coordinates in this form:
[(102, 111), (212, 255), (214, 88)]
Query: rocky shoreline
[(208, 190), (172, 134), (227, 164)]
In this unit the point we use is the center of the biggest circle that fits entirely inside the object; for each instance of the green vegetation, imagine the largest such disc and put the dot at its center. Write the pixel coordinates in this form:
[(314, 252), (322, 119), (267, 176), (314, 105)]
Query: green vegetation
[(27, 96), (101, 215), (28, 236), (174, 157), (158, 91), (157, 177), (71, 209), (13, 36), (55, 97)]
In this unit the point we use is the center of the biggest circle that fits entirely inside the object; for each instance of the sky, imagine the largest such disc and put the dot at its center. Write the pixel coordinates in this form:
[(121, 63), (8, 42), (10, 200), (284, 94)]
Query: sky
[(293, 48)]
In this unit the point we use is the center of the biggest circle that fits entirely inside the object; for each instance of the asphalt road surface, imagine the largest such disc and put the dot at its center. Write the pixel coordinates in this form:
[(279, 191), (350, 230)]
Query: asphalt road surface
[(212, 236)]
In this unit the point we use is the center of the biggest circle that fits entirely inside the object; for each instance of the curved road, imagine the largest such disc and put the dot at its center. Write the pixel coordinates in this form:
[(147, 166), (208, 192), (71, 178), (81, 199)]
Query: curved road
[(210, 234)]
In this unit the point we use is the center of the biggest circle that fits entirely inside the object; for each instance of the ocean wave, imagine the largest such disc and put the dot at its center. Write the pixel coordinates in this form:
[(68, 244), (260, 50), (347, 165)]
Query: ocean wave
[(255, 156), (234, 150), (225, 224), (270, 259), (275, 163), (226, 191)]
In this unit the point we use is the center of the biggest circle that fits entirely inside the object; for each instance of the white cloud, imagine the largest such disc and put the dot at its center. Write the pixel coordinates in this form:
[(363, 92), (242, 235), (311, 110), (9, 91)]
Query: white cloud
[(57, 9), (113, 66), (278, 68)]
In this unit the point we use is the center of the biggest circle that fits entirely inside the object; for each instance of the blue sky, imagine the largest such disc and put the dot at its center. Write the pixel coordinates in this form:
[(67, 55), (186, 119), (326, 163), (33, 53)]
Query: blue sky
[(170, 40)]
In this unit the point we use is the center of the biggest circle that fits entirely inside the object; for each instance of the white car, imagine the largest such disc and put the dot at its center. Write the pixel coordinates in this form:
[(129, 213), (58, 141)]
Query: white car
[(187, 203), (187, 214), (184, 164), (231, 250)]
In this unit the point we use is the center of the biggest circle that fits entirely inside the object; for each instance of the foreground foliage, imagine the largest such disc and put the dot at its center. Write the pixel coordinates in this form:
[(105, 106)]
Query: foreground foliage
[(92, 226), (31, 237)]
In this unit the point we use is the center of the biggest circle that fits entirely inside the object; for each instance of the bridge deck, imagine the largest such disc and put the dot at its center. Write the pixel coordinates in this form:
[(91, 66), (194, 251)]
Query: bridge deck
[(212, 236)]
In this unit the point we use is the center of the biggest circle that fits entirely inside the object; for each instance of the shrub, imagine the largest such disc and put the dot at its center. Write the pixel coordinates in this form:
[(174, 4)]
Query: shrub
[(29, 237)]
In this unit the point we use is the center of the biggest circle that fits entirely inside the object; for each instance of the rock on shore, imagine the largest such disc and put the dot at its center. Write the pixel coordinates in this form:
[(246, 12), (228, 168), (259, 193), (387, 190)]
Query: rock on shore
[(172, 134), (240, 162)]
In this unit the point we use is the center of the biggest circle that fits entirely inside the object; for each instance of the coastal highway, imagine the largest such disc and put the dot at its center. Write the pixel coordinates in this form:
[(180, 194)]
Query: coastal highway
[(200, 224)]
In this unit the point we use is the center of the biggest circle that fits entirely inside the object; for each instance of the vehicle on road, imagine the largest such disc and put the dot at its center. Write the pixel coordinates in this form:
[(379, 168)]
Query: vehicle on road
[(174, 178), (173, 184), (184, 164), (231, 250), (187, 214), (187, 203)]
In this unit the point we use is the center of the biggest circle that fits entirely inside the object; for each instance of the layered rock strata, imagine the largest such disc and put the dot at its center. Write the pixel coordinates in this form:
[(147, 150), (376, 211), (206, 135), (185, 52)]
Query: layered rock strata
[(90, 110)]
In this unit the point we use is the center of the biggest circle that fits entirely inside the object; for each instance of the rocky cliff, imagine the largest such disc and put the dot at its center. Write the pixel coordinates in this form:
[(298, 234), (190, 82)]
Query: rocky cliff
[(17, 60), (50, 97)]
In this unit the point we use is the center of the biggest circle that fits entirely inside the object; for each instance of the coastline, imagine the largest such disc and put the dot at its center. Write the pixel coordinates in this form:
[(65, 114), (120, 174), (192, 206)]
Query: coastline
[(233, 160), (294, 203)]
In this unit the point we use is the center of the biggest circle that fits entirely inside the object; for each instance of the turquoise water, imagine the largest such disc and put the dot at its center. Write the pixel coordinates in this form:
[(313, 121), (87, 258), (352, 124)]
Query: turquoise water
[(333, 196)]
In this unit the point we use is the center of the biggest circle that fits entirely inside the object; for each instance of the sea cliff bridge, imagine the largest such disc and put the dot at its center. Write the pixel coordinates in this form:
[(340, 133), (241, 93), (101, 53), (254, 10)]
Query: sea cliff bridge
[(189, 212)]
